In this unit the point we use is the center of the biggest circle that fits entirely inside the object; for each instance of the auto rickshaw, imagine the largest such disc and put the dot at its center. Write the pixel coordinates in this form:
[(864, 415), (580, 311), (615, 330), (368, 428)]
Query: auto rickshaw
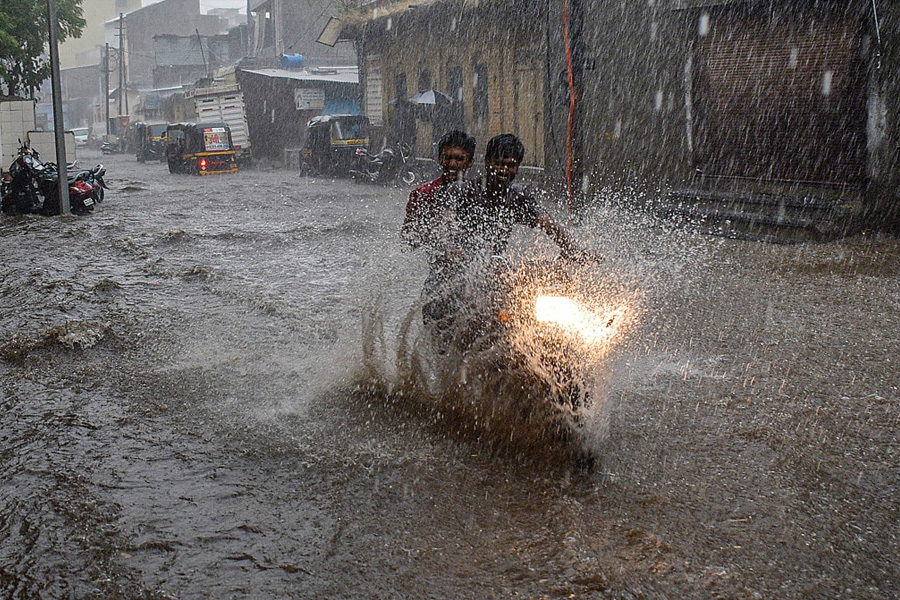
[(150, 141), (200, 148), (331, 144)]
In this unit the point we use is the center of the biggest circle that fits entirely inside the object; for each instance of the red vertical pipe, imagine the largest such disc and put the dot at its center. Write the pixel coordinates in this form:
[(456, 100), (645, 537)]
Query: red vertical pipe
[(571, 121)]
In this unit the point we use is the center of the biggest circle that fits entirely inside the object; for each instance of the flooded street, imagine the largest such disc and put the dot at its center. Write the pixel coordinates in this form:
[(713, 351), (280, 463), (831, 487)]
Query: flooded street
[(189, 411)]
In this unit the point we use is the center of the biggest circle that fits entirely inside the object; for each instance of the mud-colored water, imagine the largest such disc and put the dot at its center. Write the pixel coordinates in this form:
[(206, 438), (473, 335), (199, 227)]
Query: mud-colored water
[(201, 399)]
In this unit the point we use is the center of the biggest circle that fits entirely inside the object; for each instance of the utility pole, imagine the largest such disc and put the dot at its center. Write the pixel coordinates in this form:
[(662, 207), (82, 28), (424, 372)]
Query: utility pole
[(203, 56), (121, 68), (106, 71), (62, 180), (573, 28), (123, 31)]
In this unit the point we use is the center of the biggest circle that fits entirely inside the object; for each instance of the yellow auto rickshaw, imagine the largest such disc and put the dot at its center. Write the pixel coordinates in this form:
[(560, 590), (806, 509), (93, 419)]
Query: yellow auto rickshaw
[(331, 144), (149, 141), (200, 148)]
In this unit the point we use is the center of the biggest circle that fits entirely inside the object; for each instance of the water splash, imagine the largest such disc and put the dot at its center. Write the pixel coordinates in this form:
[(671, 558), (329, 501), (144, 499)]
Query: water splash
[(520, 384)]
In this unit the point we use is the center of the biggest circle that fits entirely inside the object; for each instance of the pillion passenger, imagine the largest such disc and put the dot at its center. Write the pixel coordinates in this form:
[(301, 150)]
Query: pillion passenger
[(430, 205), (430, 223)]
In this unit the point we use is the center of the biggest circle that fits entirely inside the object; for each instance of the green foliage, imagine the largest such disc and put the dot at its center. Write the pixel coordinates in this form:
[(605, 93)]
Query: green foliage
[(24, 41)]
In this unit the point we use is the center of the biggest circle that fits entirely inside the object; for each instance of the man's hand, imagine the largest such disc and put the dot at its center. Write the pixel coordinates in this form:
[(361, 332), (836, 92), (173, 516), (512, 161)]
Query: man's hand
[(454, 255), (582, 257)]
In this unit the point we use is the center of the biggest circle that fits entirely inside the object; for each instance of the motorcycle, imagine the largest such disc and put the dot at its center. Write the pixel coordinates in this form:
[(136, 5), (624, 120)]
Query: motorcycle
[(21, 190), (392, 164), (92, 177), (31, 186), (519, 351)]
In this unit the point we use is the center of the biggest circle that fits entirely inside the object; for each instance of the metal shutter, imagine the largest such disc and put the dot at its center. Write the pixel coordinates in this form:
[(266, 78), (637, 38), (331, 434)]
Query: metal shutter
[(781, 99)]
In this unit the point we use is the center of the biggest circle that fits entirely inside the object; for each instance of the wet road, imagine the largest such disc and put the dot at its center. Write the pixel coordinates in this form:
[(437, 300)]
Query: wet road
[(188, 411)]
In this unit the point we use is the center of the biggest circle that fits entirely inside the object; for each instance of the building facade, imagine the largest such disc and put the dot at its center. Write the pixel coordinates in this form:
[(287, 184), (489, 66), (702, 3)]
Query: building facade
[(285, 27), (86, 49), (789, 104), (180, 18)]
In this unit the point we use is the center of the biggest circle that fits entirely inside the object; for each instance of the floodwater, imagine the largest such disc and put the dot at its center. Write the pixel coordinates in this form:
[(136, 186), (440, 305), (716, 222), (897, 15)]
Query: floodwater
[(201, 399)]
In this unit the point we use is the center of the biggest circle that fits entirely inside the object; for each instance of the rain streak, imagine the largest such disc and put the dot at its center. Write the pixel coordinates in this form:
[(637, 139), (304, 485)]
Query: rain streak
[(449, 299)]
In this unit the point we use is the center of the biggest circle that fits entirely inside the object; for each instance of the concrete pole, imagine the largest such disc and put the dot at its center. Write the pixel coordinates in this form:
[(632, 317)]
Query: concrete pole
[(106, 89), (121, 71), (58, 118)]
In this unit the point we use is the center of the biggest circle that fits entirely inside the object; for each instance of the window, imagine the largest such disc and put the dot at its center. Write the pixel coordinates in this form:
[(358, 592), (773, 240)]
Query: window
[(400, 90), (424, 80), (455, 91), (455, 83), (480, 93), (349, 128), (374, 90)]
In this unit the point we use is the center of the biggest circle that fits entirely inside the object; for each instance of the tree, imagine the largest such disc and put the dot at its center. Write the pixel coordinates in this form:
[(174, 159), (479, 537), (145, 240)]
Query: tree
[(24, 40)]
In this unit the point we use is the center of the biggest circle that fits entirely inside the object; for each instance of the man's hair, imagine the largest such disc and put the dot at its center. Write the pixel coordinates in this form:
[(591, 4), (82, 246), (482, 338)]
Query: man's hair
[(505, 145), (457, 139)]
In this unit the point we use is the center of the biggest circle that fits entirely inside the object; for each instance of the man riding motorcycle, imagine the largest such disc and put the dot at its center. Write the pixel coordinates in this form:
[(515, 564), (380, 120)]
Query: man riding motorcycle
[(475, 223)]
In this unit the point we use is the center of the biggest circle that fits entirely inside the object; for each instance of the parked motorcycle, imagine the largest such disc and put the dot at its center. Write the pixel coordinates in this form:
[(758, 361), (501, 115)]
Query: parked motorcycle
[(391, 165), (31, 186), (92, 177), (21, 190)]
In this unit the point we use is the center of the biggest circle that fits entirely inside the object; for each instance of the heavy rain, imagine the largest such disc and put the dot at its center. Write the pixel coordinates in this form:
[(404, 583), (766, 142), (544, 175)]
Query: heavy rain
[(241, 368)]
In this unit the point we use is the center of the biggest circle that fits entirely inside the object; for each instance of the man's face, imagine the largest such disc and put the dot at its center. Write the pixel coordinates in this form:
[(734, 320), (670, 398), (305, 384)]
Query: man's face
[(454, 162), (501, 171)]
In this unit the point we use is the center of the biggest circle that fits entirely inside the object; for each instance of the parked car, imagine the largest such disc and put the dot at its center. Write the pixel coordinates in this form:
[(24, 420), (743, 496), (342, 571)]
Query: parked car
[(81, 136)]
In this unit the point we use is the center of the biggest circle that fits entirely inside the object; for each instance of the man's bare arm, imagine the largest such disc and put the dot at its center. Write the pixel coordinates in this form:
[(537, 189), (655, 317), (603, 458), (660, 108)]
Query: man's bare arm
[(569, 249)]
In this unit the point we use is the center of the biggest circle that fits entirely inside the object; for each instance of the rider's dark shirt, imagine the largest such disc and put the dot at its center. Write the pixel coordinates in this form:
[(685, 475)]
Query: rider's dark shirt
[(485, 221)]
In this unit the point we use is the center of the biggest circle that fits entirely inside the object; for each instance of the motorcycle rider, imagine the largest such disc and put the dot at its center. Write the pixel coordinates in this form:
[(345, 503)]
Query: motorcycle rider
[(475, 223), (490, 206)]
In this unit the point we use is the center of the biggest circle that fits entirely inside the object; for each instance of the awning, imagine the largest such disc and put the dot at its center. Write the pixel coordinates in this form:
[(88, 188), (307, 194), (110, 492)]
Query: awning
[(351, 75)]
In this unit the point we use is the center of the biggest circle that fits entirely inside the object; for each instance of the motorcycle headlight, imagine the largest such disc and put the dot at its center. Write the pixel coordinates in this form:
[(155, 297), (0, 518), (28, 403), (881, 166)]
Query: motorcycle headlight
[(558, 310), (567, 314)]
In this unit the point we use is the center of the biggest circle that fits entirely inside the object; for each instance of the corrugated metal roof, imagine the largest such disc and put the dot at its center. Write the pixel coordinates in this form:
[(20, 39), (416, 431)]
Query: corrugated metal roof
[(337, 77)]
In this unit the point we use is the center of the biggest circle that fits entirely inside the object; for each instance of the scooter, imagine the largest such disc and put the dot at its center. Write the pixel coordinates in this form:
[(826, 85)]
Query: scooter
[(92, 177), (392, 164)]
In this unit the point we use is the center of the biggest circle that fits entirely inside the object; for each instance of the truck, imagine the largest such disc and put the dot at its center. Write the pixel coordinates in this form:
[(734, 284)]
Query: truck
[(224, 104), (16, 120)]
